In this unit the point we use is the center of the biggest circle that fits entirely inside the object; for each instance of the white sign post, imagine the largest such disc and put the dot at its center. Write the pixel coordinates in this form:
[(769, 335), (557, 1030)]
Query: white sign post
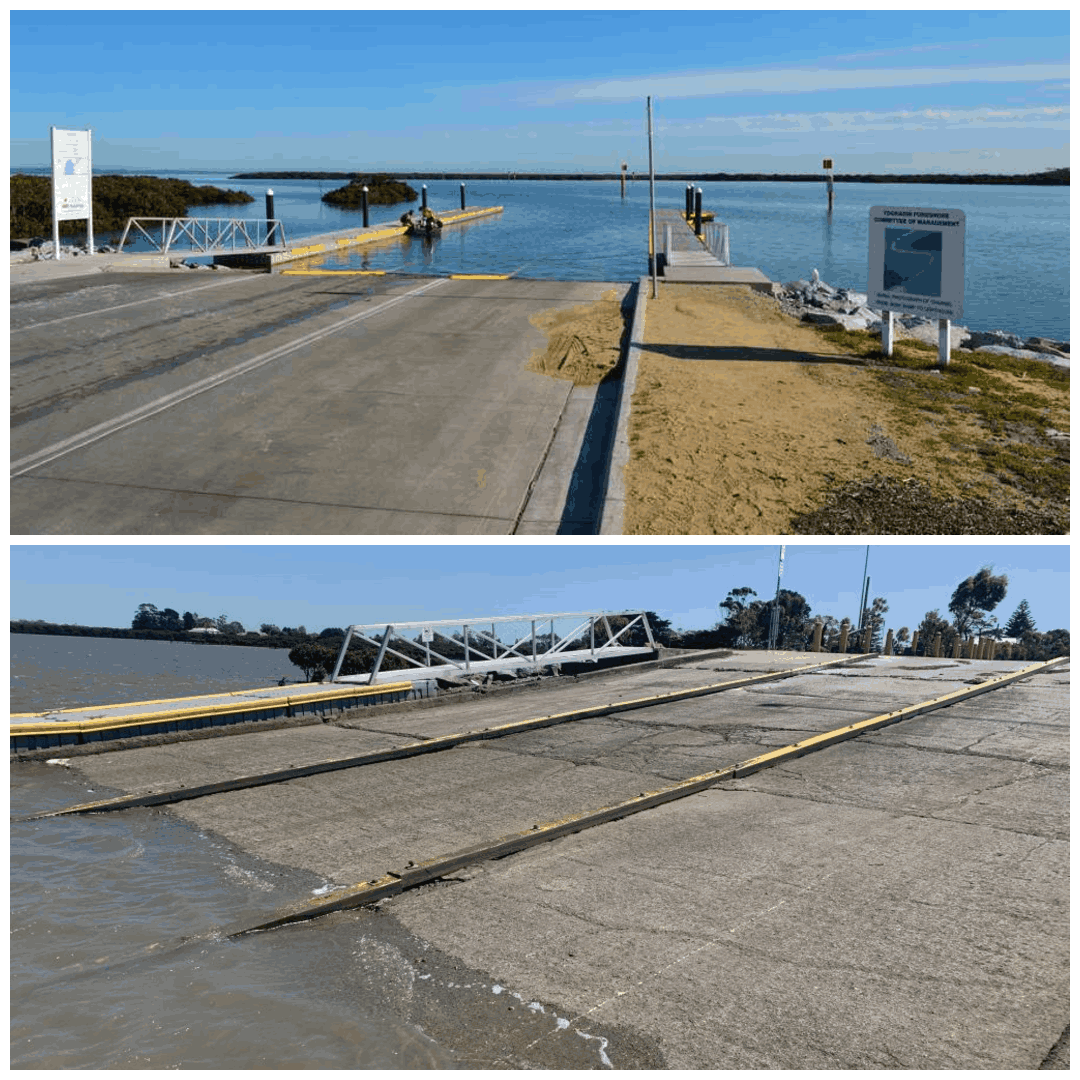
[(917, 267), (71, 193)]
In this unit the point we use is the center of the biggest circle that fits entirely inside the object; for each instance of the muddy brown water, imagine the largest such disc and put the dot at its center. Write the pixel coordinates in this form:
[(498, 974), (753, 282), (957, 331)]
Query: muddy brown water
[(119, 953)]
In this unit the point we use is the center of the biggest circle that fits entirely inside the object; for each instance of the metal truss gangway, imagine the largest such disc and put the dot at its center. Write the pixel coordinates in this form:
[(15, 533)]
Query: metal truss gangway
[(463, 648), (208, 236)]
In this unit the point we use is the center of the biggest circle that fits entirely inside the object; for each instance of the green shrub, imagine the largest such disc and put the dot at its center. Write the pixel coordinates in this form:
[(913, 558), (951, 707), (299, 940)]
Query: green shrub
[(115, 199), (382, 191)]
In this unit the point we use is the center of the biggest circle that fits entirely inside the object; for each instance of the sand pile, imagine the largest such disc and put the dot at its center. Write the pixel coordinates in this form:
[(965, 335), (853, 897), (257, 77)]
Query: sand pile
[(584, 342)]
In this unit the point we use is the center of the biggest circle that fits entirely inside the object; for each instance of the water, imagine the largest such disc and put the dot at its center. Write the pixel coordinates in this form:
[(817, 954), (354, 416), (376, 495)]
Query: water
[(53, 672), (118, 958), (1016, 257), (119, 952)]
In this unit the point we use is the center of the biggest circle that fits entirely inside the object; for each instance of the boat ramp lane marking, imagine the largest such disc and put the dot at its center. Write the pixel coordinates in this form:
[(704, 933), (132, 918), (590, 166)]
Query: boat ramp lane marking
[(426, 746), (391, 884), (152, 408)]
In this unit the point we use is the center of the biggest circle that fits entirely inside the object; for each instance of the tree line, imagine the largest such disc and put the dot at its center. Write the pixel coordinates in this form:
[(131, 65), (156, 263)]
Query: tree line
[(1052, 177), (747, 624)]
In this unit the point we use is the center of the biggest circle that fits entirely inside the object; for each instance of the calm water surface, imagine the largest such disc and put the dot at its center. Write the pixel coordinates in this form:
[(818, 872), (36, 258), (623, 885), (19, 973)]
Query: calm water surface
[(53, 672), (1016, 257)]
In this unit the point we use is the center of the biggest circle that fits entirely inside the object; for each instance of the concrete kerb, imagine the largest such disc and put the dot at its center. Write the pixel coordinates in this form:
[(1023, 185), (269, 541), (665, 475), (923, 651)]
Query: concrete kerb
[(614, 503)]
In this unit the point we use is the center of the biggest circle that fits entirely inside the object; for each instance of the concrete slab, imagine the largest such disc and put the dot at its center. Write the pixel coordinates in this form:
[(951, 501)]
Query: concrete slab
[(785, 927), (397, 406), (563, 499), (719, 275), (879, 904)]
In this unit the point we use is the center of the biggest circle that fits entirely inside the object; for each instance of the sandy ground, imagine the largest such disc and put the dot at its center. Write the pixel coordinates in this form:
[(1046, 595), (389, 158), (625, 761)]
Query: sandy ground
[(744, 420), (733, 438)]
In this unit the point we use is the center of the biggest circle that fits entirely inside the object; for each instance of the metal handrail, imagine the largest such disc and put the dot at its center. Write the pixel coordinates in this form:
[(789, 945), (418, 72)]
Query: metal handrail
[(208, 236), (523, 652)]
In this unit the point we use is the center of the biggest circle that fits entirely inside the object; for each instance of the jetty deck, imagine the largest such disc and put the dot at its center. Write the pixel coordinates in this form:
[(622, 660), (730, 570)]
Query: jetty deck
[(898, 899), (688, 260), (309, 247)]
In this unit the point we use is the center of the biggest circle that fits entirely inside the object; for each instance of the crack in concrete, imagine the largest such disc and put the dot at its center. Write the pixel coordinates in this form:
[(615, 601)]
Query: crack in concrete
[(744, 785)]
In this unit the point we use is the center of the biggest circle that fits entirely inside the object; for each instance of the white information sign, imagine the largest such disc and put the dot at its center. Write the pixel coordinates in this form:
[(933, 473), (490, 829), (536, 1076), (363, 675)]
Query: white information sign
[(71, 174), (917, 261), (427, 634)]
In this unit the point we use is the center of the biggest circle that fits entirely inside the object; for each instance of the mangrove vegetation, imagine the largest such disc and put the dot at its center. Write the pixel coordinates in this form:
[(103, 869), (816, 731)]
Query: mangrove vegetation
[(115, 199), (382, 191)]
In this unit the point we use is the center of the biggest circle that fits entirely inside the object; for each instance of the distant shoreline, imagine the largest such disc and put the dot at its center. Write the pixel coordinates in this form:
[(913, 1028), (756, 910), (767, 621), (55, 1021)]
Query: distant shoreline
[(1047, 178), (1051, 178)]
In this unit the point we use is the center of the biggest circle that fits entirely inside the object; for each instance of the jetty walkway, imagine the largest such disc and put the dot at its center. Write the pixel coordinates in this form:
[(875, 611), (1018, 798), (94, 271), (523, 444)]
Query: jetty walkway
[(862, 865), (686, 258), (309, 247)]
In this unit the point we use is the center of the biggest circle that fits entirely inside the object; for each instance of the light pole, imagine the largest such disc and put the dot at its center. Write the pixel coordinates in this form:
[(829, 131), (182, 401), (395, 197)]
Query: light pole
[(652, 199), (774, 622)]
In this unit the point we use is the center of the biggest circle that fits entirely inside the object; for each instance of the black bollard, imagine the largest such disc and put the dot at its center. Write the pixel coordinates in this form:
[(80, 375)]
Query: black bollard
[(363, 203), (697, 212), (269, 216), (689, 201), (423, 196), (462, 196)]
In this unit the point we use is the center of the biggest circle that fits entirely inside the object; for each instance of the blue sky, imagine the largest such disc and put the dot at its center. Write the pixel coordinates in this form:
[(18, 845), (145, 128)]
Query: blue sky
[(317, 586), (774, 91)]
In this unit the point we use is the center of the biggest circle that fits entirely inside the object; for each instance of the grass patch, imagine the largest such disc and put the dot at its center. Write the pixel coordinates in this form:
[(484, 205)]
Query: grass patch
[(996, 429)]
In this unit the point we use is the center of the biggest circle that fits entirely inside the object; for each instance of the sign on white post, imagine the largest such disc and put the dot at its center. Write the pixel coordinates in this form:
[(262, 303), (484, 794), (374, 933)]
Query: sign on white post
[(917, 261), (71, 193)]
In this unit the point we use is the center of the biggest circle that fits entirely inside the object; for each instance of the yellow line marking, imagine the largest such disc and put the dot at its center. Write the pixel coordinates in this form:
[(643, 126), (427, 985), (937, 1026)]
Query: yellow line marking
[(479, 277), (332, 273)]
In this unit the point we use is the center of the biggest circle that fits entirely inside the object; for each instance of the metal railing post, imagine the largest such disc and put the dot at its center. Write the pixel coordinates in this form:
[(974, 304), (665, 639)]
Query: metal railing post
[(379, 659), (341, 654)]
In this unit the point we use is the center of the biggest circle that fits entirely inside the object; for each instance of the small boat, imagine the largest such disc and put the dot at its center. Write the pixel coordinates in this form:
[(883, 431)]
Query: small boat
[(427, 224)]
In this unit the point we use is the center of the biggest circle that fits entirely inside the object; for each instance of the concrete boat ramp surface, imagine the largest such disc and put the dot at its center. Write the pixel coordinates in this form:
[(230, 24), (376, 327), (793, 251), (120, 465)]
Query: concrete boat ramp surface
[(899, 900), (241, 403)]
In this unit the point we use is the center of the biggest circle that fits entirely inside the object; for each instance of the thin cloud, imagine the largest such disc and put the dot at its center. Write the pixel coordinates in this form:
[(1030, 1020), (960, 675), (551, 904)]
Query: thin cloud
[(863, 120), (800, 80)]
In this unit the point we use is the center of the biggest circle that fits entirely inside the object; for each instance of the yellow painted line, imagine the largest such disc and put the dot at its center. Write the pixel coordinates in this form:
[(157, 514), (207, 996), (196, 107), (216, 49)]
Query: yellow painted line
[(61, 727), (479, 277), (850, 731), (391, 884), (149, 701), (333, 273)]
